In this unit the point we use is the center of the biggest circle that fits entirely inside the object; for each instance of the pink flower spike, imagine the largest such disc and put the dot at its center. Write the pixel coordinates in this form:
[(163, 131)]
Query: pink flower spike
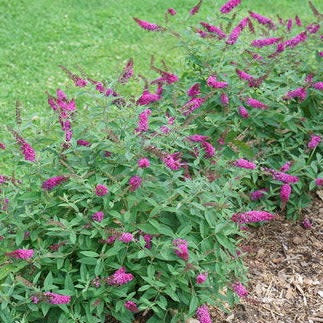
[(99, 87), (25, 147), (192, 105), (148, 25), (61, 95), (212, 82), (126, 237), (299, 93), (148, 238), (285, 191), (194, 90), (181, 248), (169, 77), (224, 99), (307, 224), (314, 141), (243, 163), (283, 177), (298, 21), (244, 76), (98, 216), (147, 98), (196, 8), (52, 103), (127, 72), (285, 168), (313, 28), (2, 146), (258, 194), (228, 6), (107, 153), (131, 306), (295, 40), (143, 122), (164, 129), (34, 299), (318, 86), (173, 161), (213, 29), (57, 299), (203, 315), (252, 216), (289, 25), (143, 163), (256, 104), (259, 43), (171, 11), (201, 278), (134, 183), (262, 19), (240, 290), (80, 82), (208, 149), (243, 112), (101, 190), (234, 35), (21, 254), (319, 181), (120, 277), (198, 138), (82, 142), (52, 182)]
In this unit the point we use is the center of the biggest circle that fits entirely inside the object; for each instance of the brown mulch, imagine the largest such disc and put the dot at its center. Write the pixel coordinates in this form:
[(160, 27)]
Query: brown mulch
[(285, 272)]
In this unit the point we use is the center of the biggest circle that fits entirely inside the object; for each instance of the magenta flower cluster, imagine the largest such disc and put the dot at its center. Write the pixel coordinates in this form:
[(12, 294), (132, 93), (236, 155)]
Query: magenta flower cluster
[(314, 141), (252, 216), (101, 190), (120, 277), (134, 183), (147, 25), (52, 182), (173, 161), (57, 299), (98, 216), (131, 306), (258, 194), (143, 163), (285, 192), (201, 278), (240, 290), (243, 163), (143, 123), (203, 315), (21, 254), (181, 249), (126, 237), (228, 6)]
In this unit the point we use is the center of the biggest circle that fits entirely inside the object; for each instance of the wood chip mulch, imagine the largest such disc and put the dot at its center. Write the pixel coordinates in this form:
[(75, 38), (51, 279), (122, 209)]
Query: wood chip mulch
[(285, 272)]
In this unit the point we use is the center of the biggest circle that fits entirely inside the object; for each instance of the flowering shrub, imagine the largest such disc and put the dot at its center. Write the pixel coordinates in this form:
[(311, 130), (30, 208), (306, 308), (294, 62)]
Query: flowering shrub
[(137, 205)]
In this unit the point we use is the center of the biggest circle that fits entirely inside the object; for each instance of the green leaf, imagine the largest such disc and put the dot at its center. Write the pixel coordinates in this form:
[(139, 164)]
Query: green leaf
[(88, 261), (69, 284), (48, 282), (193, 304), (90, 253)]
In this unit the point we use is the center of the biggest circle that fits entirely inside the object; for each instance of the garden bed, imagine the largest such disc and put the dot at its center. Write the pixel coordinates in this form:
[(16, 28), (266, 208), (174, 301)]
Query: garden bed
[(285, 272)]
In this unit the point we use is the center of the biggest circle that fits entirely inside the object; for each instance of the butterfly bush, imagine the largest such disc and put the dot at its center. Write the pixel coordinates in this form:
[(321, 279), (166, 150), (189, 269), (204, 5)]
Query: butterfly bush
[(139, 195)]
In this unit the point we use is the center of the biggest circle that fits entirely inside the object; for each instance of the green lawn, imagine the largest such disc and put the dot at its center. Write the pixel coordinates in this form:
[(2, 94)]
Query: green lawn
[(100, 35)]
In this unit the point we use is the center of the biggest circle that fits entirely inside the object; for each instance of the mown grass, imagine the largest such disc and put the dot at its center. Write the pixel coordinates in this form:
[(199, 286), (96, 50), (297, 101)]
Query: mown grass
[(100, 35)]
